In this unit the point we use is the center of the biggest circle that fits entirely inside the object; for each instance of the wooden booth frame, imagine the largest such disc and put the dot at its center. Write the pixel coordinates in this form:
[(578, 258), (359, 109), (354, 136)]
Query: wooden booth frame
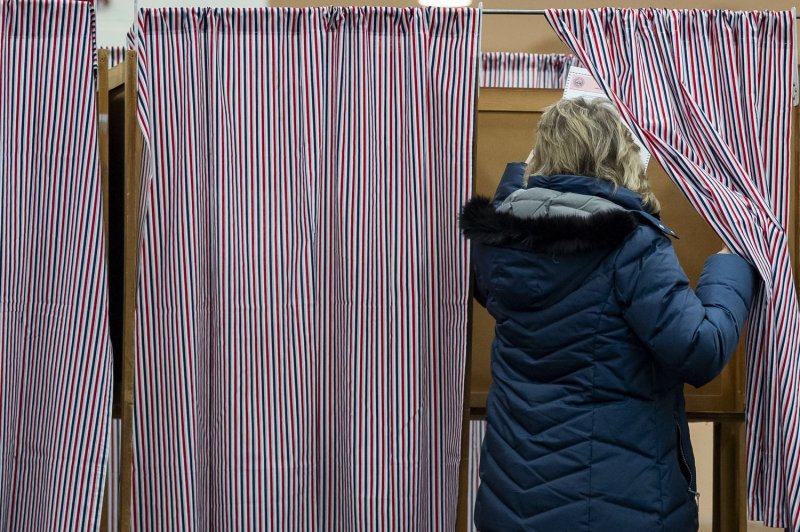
[(120, 145), (504, 132)]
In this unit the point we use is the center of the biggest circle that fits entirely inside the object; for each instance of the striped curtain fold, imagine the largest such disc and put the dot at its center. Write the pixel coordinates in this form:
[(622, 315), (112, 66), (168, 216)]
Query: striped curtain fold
[(303, 295), (710, 94), (55, 352), (525, 71), (116, 55)]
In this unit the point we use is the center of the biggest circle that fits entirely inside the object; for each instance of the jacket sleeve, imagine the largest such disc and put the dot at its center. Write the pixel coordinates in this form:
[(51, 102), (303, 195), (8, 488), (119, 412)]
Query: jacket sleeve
[(693, 333), (512, 180)]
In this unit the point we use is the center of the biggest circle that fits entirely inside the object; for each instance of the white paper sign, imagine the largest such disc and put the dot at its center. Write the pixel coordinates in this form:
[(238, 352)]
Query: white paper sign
[(581, 84)]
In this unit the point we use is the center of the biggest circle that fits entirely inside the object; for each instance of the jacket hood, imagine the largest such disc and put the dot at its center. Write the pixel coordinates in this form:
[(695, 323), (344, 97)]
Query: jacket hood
[(558, 215), (588, 186), (591, 186), (541, 243), (548, 222)]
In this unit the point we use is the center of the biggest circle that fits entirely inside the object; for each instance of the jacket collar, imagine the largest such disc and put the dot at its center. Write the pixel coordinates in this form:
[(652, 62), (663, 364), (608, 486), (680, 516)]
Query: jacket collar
[(591, 186), (550, 234)]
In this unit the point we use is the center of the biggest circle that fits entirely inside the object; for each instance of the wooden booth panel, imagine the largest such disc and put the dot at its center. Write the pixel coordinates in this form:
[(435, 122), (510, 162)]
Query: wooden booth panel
[(506, 124)]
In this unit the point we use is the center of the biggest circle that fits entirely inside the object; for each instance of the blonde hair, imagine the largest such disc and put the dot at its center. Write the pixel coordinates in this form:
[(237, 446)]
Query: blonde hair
[(588, 138)]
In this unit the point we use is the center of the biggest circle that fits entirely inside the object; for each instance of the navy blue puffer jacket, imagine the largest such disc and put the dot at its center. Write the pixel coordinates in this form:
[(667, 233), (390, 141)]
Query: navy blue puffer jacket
[(597, 331)]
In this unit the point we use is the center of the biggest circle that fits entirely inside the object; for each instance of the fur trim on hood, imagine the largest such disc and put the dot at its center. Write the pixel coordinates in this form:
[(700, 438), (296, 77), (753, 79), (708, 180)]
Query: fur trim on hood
[(556, 235)]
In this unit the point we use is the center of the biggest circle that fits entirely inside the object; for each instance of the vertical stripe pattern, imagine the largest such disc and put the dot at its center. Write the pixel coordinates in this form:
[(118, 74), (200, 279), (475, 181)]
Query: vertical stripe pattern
[(525, 71), (302, 306), (116, 55), (55, 372), (710, 94)]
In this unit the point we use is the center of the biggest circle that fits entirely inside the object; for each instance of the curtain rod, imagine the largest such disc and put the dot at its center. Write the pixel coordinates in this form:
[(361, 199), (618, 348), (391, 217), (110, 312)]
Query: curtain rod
[(528, 12), (514, 11)]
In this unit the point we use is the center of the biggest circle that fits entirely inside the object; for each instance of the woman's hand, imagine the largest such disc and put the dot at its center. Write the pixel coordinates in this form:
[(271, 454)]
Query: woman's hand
[(724, 251)]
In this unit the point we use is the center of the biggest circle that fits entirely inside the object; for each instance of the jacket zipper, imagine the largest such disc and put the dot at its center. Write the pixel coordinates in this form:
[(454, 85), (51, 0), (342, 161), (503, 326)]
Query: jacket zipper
[(686, 463)]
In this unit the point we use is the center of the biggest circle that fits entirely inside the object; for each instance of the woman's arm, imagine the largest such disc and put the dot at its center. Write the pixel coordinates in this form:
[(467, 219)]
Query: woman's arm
[(512, 180), (693, 333)]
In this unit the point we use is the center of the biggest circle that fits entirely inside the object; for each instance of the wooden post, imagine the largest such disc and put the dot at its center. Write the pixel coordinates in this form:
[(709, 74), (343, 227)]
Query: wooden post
[(102, 148), (102, 129), (133, 152), (730, 472), (462, 516)]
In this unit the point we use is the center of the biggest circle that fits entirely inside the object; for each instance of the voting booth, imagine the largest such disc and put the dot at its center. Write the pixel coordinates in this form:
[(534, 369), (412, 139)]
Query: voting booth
[(506, 128)]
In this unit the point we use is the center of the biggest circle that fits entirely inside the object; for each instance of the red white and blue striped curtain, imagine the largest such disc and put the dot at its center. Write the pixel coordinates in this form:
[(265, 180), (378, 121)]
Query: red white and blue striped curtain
[(55, 363), (525, 71), (710, 94), (303, 295), (116, 55)]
